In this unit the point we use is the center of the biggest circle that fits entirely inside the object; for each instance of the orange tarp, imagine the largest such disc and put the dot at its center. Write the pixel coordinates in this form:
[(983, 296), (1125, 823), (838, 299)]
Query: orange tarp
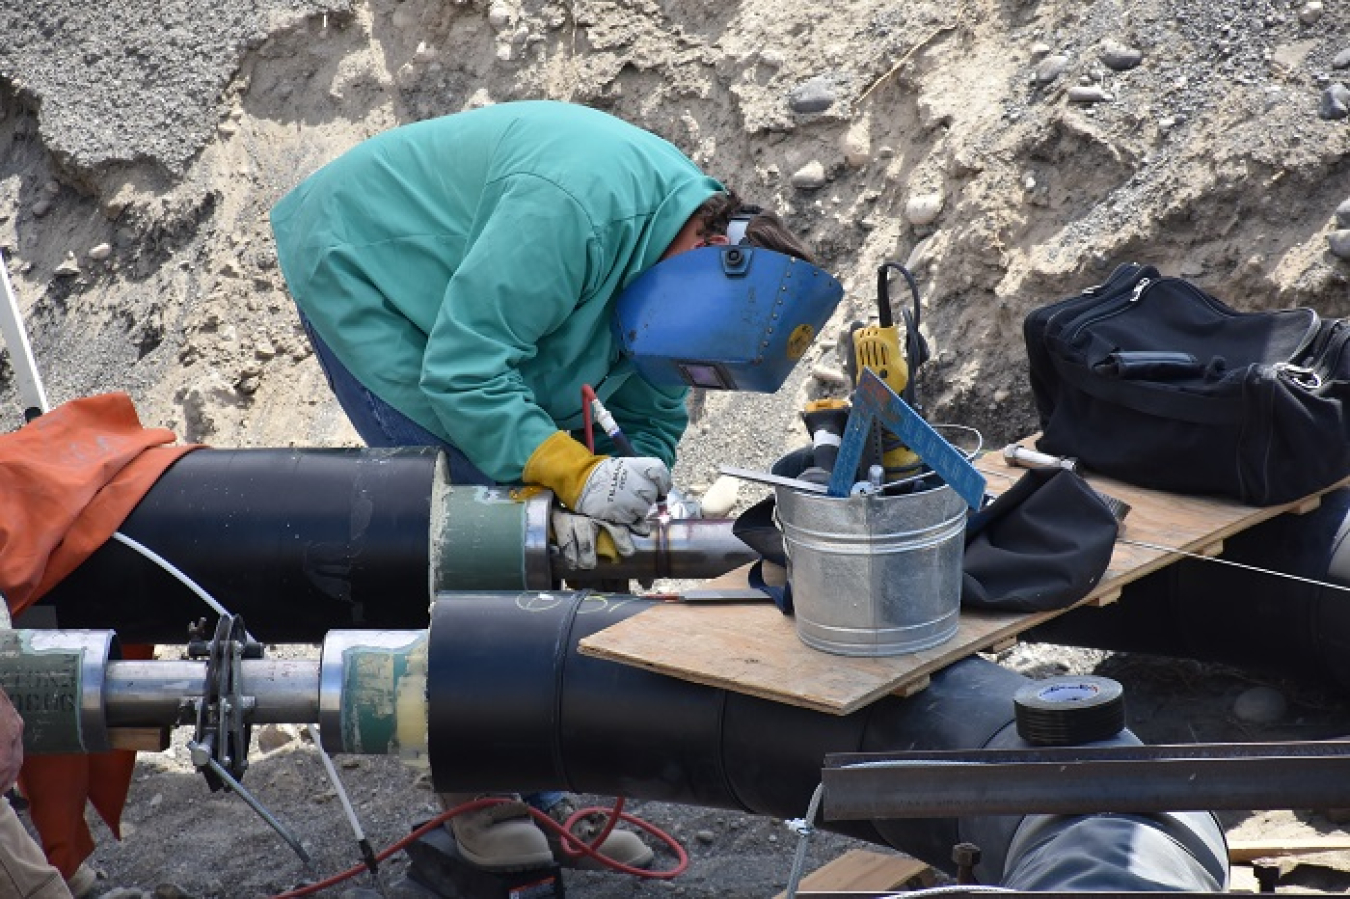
[(68, 479)]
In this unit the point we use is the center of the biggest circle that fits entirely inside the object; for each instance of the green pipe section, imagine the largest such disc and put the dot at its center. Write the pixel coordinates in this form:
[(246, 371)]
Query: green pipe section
[(488, 538), (54, 679), (373, 689)]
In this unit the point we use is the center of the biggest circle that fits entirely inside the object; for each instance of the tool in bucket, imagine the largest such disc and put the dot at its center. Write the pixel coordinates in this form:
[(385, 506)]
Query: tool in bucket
[(874, 401), (878, 573)]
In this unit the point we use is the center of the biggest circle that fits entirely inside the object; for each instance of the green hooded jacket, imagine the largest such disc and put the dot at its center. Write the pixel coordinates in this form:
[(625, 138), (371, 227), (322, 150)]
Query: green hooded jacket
[(465, 269)]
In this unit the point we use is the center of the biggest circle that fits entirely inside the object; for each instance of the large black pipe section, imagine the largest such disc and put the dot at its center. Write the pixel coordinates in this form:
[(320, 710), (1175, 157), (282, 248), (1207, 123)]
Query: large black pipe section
[(296, 542), (513, 705), (1211, 611), (301, 542)]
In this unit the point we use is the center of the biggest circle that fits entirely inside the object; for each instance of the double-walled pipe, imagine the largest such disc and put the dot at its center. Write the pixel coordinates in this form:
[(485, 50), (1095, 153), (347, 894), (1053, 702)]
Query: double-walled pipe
[(1212, 611), (300, 542), (496, 696), (544, 716)]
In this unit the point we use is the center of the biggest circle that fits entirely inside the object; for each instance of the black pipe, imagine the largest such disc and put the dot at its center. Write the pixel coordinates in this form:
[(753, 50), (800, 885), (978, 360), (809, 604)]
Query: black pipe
[(514, 706), (1214, 612), (353, 554)]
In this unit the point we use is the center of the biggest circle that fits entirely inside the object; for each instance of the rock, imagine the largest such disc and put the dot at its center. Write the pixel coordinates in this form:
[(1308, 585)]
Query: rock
[(170, 891), (1119, 57), (1040, 50), (41, 207), (272, 737), (1342, 60), (809, 177), (1260, 705), (500, 16), (1088, 94), (1311, 12), (923, 209), (1335, 102), (704, 836), (1343, 214), (816, 95), (69, 268), (1338, 242), (100, 252), (721, 497), (1051, 68), (853, 144)]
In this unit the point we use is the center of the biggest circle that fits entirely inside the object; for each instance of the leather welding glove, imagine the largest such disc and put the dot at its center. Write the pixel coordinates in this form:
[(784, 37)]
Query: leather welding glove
[(618, 490), (583, 541)]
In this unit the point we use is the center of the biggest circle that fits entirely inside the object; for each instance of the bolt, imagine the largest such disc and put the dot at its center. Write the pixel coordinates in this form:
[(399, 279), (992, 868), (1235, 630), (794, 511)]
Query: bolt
[(966, 856)]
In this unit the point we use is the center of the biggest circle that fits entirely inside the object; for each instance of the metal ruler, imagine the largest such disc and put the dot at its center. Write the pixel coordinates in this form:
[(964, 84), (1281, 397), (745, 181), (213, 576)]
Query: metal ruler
[(873, 401)]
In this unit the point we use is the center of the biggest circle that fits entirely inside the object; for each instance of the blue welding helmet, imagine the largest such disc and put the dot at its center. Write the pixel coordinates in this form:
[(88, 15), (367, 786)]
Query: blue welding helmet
[(724, 318)]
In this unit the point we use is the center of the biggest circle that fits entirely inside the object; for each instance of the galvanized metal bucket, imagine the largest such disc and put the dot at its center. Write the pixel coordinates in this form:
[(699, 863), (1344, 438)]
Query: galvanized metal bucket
[(874, 575)]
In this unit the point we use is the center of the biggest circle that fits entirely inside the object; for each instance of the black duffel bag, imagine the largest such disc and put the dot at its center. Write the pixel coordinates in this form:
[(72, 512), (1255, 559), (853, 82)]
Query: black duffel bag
[(1151, 380)]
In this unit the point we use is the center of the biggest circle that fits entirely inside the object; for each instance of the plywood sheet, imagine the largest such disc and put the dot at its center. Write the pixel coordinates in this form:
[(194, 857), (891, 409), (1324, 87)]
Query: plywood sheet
[(863, 870), (752, 648)]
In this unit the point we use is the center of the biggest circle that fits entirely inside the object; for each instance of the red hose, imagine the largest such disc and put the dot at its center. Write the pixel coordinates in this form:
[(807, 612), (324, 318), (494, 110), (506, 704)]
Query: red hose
[(588, 397), (572, 845)]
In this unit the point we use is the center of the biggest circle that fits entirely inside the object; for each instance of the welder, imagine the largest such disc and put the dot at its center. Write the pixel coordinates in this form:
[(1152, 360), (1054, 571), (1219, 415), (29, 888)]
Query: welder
[(462, 279)]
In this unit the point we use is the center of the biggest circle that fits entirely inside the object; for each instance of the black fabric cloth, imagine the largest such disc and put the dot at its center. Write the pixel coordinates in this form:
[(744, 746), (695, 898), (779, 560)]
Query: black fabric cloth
[(1040, 546)]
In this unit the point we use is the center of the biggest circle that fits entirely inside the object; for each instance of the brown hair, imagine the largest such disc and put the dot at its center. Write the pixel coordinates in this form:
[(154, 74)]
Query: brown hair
[(765, 229)]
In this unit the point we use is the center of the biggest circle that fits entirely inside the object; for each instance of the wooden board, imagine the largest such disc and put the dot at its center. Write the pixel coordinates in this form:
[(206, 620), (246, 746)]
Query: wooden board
[(1245, 851), (863, 869), (752, 648)]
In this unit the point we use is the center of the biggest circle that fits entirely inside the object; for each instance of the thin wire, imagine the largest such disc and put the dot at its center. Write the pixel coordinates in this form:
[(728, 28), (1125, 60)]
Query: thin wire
[(1215, 559), (171, 569), (361, 841), (805, 830), (1283, 574)]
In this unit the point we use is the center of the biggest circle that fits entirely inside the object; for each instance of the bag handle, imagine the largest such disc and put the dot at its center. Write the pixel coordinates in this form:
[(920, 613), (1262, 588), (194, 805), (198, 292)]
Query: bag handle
[(1150, 398)]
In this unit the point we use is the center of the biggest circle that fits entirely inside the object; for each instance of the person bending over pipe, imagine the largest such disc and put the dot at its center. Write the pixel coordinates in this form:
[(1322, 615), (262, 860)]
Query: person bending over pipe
[(458, 279)]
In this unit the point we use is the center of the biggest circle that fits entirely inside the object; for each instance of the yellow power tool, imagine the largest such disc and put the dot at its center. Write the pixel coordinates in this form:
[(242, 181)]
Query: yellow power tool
[(877, 347)]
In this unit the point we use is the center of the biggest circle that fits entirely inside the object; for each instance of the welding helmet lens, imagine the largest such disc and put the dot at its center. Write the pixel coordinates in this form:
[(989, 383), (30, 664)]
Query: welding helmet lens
[(738, 223), (732, 317)]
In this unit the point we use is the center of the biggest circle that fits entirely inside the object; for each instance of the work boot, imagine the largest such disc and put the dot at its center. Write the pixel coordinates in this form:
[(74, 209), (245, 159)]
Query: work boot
[(622, 845), (499, 837), (81, 884)]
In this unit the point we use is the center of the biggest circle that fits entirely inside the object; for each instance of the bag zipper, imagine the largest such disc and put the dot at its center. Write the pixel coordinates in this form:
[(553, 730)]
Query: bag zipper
[(1119, 306), (1132, 271), (1214, 305)]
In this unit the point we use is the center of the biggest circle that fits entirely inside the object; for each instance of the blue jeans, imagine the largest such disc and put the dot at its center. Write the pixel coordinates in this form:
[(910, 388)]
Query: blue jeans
[(380, 424)]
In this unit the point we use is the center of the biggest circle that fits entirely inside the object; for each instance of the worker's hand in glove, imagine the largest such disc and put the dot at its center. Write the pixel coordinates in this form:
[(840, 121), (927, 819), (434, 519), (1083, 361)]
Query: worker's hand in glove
[(583, 541), (619, 491), (624, 490)]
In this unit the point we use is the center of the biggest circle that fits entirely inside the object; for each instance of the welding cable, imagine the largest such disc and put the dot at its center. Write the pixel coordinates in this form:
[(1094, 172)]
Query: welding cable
[(682, 858), (590, 404)]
